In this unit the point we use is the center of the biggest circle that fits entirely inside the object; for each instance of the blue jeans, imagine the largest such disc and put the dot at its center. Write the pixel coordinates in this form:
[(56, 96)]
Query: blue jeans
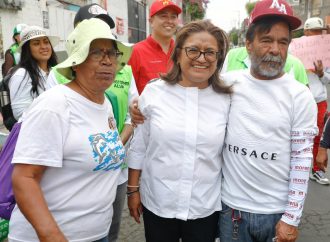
[(105, 239), (239, 226)]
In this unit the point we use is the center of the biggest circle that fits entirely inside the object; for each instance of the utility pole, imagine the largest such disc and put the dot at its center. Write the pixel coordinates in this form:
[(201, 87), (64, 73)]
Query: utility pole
[(309, 8)]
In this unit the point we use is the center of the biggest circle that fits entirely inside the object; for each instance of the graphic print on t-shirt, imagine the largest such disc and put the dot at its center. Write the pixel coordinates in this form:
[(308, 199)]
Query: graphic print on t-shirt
[(108, 151)]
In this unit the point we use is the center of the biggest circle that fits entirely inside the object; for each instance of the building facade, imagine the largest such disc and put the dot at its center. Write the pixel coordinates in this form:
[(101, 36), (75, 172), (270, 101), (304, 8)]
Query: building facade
[(305, 9), (56, 16)]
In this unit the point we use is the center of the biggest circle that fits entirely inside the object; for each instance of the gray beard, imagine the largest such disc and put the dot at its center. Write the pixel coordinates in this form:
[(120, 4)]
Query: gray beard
[(272, 70)]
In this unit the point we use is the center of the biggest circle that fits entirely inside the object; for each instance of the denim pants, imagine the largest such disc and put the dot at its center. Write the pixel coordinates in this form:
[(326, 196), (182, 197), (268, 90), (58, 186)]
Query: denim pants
[(239, 226), (105, 239)]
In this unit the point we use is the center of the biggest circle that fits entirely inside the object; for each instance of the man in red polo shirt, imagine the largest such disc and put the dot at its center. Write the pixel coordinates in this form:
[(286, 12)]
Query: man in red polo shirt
[(151, 56)]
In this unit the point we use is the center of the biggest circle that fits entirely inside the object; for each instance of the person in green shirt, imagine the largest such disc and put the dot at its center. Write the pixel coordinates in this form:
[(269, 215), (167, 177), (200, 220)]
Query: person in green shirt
[(238, 59), (12, 57)]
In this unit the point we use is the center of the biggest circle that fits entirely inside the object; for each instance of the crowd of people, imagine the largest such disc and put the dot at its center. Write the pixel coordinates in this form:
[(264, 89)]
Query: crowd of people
[(224, 140)]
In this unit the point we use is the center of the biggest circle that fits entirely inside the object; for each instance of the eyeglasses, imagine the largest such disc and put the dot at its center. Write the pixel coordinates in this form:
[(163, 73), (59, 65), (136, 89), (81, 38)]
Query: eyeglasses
[(194, 53), (99, 54)]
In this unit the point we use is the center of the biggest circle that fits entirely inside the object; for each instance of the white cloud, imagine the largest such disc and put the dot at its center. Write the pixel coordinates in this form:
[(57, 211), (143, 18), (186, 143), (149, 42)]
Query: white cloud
[(226, 14)]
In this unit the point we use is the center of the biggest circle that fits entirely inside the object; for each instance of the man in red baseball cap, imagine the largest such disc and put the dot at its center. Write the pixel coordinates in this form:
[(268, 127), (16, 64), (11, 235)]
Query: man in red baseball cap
[(151, 56), (270, 133)]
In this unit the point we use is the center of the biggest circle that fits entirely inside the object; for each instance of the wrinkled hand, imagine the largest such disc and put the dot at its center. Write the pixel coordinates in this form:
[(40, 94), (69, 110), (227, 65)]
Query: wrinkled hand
[(136, 116), (322, 159), (318, 68), (286, 232), (135, 206)]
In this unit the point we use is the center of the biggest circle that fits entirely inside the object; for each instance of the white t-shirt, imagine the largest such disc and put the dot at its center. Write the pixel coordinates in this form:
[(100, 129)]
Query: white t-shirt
[(20, 86), (318, 85), (132, 94), (269, 142), (178, 149), (71, 136)]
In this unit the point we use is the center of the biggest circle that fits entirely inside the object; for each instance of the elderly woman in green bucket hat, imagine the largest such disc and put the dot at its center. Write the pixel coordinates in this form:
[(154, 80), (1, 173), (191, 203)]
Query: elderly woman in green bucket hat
[(68, 154)]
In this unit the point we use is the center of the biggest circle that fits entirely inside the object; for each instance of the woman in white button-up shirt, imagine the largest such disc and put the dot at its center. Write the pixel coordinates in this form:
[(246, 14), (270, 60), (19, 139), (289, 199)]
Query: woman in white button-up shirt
[(174, 158)]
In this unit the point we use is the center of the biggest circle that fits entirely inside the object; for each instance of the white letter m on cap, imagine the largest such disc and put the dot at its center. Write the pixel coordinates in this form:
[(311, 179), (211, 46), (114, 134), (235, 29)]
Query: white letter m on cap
[(281, 8)]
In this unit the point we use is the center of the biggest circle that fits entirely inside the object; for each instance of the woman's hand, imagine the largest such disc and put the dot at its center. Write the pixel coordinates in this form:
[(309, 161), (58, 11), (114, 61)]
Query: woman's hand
[(135, 206)]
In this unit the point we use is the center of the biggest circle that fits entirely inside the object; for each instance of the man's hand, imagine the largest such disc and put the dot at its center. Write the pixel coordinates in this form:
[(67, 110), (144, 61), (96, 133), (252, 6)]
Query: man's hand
[(322, 159), (318, 68), (136, 116), (286, 232)]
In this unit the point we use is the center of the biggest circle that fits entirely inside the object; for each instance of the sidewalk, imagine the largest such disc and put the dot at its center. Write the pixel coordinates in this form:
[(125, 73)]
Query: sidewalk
[(130, 231)]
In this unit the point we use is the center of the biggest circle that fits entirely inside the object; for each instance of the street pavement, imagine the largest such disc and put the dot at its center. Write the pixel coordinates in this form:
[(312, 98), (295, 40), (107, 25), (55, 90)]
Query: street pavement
[(314, 226), (130, 231)]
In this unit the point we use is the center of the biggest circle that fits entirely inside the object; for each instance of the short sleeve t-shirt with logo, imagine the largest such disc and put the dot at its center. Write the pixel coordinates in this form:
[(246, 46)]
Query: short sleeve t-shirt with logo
[(268, 147), (78, 142)]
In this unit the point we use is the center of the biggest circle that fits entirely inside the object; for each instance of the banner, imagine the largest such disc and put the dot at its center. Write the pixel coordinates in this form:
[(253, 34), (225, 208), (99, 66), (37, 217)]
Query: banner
[(312, 48)]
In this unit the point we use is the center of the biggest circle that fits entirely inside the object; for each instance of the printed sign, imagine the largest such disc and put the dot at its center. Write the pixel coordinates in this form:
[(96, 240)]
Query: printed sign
[(312, 48)]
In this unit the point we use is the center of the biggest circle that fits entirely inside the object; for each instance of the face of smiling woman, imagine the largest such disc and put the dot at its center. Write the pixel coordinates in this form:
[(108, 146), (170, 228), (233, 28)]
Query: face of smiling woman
[(195, 72), (41, 49)]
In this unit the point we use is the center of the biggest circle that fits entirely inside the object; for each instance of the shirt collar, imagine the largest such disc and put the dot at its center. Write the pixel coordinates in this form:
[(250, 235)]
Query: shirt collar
[(155, 44)]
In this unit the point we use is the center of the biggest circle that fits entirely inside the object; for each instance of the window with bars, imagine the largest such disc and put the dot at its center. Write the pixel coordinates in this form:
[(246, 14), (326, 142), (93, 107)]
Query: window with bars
[(136, 21)]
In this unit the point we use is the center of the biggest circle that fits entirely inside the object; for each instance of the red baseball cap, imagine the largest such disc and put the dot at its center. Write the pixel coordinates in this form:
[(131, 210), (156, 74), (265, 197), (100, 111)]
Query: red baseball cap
[(280, 8), (159, 5)]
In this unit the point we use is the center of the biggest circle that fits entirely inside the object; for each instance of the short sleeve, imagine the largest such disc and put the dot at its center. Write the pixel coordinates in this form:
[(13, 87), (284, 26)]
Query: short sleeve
[(42, 137)]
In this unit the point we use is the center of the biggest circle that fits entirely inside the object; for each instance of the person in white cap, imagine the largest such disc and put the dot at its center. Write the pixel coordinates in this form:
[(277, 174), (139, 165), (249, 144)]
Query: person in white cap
[(318, 78), (271, 125), (11, 55), (28, 78), (268, 148), (68, 155), (120, 94)]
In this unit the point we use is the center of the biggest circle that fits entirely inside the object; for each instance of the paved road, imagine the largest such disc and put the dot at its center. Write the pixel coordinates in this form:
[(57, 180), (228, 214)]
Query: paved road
[(130, 231), (315, 224), (314, 227)]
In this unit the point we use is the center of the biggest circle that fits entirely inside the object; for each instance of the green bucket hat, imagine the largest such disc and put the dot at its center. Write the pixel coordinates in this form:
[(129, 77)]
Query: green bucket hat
[(79, 41)]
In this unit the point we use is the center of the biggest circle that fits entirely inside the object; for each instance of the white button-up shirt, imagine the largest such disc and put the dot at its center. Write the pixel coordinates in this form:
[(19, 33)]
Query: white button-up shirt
[(178, 149)]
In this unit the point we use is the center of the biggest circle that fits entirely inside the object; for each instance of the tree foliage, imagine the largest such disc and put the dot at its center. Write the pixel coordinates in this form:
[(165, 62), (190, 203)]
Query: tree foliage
[(233, 36), (249, 7), (196, 8)]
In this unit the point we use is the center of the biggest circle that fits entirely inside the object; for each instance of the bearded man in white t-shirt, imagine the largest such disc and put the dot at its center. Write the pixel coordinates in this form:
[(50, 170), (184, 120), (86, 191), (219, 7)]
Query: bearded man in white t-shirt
[(268, 148)]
